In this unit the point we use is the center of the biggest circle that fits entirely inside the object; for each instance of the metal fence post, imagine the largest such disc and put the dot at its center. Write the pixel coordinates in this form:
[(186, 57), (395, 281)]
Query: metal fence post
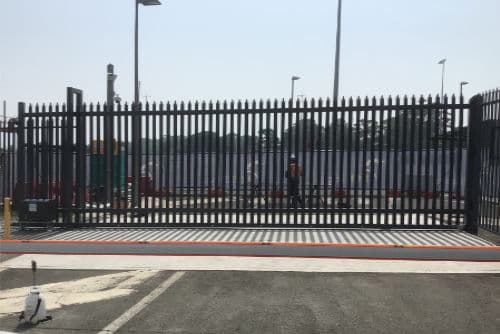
[(108, 136), (20, 155), (472, 186), (67, 159), (136, 154), (81, 159)]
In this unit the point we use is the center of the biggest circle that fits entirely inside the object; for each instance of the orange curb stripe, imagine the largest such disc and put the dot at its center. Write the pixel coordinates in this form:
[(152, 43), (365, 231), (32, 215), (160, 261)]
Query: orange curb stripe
[(242, 243), (266, 255)]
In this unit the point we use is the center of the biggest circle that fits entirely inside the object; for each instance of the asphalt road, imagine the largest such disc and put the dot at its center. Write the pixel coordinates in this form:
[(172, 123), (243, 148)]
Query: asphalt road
[(279, 302)]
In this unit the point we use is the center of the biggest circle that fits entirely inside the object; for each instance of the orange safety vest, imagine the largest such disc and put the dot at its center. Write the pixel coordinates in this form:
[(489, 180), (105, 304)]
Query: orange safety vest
[(294, 170)]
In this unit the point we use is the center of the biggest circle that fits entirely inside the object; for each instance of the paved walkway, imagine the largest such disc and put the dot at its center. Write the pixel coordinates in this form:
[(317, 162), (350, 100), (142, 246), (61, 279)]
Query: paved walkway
[(263, 235)]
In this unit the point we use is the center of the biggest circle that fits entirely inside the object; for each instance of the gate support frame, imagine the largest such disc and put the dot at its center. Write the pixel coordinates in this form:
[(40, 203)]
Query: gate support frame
[(67, 157), (472, 182), (21, 175)]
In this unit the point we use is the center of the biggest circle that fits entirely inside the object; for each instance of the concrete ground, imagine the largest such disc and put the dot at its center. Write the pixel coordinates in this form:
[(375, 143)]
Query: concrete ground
[(131, 300)]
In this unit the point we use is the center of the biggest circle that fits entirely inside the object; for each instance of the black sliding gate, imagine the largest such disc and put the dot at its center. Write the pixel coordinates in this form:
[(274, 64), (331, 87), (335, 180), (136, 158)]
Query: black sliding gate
[(396, 162)]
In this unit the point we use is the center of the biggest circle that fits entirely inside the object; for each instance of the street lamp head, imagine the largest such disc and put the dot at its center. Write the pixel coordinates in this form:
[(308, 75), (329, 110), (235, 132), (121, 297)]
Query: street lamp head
[(295, 78), (464, 83), (442, 61), (149, 2)]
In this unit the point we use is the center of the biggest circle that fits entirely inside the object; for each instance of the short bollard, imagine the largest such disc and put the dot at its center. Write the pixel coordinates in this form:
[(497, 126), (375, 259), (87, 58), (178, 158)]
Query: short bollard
[(6, 218)]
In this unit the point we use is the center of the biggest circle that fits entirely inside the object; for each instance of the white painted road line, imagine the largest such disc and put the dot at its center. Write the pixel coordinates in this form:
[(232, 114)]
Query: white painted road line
[(142, 262), (79, 291), (134, 310)]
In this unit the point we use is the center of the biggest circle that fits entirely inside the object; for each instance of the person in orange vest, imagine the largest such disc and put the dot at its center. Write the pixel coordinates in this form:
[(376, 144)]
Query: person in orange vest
[(293, 173)]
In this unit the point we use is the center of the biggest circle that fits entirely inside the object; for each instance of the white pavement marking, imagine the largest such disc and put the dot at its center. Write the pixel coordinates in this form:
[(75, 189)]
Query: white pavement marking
[(142, 262), (134, 310), (81, 291)]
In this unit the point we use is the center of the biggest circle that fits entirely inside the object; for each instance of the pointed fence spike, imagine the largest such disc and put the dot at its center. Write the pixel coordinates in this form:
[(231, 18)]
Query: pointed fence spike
[(304, 103)]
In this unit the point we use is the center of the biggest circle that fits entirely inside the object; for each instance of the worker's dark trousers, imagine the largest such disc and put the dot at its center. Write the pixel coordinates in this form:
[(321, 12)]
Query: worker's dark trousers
[(293, 192)]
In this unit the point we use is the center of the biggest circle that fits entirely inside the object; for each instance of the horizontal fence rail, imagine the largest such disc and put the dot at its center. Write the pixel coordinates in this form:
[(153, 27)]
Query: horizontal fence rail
[(374, 162)]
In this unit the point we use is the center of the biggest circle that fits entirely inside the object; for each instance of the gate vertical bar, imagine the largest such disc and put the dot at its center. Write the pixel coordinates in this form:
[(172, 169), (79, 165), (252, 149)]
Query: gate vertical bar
[(364, 173), (275, 152), (460, 141), (419, 158), (356, 162), (435, 160), (472, 190), (44, 159)]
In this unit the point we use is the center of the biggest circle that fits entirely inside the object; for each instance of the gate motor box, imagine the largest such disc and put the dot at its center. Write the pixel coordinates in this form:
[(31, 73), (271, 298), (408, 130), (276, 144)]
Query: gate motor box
[(38, 210)]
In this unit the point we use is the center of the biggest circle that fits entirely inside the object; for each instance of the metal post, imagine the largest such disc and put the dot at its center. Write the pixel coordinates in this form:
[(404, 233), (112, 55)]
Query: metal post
[(472, 186), (293, 84), (136, 126), (67, 161), (6, 135), (6, 218), (108, 135), (20, 156), (136, 54), (337, 53), (442, 82), (461, 87), (81, 159)]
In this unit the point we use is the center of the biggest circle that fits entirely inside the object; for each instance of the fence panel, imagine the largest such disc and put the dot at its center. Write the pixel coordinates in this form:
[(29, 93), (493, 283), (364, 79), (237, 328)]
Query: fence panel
[(352, 163), (489, 201)]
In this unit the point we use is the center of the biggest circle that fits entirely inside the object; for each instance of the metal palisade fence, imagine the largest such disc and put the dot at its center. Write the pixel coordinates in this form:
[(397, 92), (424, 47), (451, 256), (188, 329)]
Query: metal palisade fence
[(398, 162)]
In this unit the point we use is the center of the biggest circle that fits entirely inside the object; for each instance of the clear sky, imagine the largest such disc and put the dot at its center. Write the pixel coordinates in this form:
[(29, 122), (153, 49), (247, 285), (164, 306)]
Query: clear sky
[(217, 49)]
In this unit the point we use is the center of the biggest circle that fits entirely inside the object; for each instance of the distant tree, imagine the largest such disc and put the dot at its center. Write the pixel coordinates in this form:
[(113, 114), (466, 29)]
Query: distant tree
[(306, 133), (268, 140)]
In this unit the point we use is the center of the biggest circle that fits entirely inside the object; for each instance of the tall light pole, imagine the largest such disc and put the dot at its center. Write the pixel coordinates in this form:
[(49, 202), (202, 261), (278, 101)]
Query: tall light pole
[(136, 44), (136, 119), (337, 53), (462, 84), (294, 78), (442, 62)]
